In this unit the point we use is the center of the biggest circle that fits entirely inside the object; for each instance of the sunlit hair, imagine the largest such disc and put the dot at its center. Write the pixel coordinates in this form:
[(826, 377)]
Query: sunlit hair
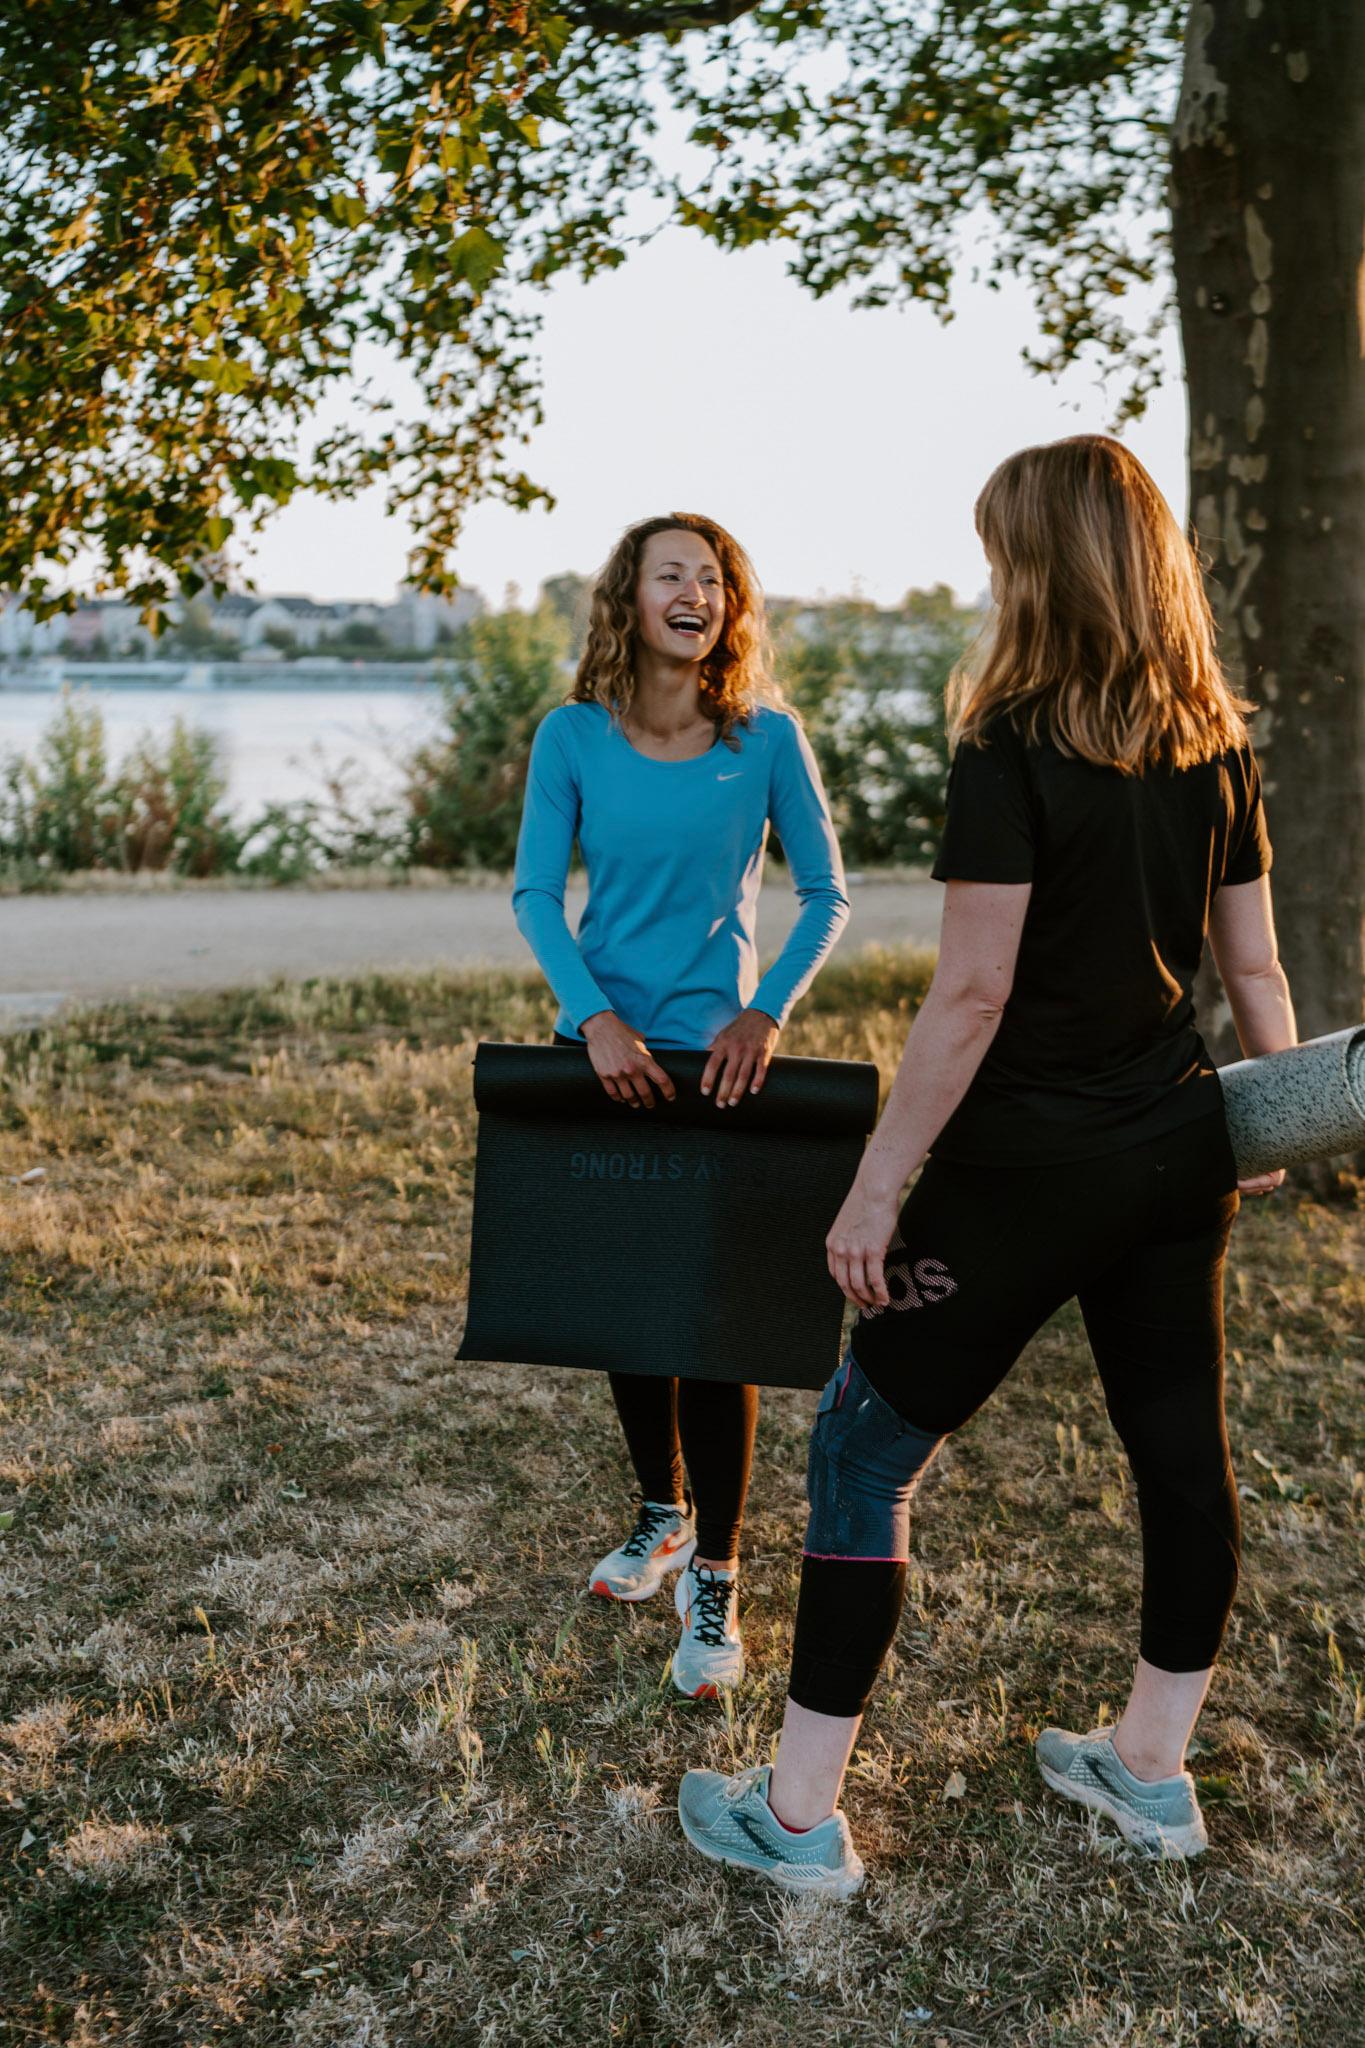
[(1101, 637), (737, 674)]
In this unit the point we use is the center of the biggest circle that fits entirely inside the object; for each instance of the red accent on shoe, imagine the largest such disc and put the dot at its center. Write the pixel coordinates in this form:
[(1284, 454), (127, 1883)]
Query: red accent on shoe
[(707, 1692), (786, 1825), (601, 1586)]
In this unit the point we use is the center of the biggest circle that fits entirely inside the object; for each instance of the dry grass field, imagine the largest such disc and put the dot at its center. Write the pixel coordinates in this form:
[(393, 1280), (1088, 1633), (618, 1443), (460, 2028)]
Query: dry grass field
[(308, 1735)]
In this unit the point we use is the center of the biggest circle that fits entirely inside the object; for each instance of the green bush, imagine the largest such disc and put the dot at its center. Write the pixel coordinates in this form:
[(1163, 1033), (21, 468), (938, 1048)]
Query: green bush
[(870, 686), (65, 809), (55, 809), (167, 807), (464, 788), (342, 829)]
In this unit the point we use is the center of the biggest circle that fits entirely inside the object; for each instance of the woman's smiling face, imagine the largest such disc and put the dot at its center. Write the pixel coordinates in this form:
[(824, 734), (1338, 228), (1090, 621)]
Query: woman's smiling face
[(679, 596)]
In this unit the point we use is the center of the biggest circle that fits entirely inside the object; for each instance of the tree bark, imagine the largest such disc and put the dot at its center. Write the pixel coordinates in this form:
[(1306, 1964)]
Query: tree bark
[(1268, 208)]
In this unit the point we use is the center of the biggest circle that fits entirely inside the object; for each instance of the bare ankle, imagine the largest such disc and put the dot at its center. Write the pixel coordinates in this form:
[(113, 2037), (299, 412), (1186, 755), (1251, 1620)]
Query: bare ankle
[(793, 1815), (1144, 1765)]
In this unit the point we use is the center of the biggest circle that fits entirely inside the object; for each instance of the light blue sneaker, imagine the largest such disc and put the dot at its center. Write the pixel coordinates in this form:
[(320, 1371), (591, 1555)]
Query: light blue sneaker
[(730, 1820), (1161, 1816)]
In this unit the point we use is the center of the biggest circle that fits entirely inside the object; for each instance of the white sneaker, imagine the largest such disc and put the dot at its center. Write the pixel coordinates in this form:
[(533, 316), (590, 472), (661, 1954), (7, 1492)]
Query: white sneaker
[(664, 1537), (709, 1653)]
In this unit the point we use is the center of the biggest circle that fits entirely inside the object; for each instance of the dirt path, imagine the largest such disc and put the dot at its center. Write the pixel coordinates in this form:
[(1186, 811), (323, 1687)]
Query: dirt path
[(59, 949)]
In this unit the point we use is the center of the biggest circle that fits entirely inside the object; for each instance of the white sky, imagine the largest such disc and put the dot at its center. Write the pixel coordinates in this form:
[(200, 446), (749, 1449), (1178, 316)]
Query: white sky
[(844, 449)]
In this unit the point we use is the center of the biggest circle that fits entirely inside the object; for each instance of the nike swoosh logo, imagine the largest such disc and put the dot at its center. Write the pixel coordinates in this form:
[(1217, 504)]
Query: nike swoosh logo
[(732, 777)]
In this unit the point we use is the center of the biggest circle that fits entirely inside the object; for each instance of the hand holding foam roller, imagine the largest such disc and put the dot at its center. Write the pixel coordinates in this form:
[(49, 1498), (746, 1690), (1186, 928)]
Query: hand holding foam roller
[(1287, 1108)]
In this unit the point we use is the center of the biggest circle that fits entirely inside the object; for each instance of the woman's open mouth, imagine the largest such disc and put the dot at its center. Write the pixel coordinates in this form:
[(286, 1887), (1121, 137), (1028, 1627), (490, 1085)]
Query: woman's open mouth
[(691, 623)]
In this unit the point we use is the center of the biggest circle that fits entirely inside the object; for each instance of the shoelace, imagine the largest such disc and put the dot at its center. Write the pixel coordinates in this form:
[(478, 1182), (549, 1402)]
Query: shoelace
[(740, 1787), (711, 1601), (649, 1524)]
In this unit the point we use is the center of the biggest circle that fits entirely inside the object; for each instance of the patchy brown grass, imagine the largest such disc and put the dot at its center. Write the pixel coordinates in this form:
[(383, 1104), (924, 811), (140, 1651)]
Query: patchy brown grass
[(310, 1737)]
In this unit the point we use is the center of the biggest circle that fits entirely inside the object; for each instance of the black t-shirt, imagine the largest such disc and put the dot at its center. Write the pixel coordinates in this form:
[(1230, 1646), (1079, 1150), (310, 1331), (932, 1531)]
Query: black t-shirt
[(1097, 1047)]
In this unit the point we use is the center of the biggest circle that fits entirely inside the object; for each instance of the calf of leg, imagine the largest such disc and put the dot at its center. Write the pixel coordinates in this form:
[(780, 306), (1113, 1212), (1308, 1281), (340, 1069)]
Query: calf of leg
[(647, 1406), (716, 1421), (1156, 1327)]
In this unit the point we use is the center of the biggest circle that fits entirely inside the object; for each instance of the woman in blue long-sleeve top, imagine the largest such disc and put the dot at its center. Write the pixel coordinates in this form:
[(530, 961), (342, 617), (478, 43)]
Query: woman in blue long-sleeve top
[(668, 766)]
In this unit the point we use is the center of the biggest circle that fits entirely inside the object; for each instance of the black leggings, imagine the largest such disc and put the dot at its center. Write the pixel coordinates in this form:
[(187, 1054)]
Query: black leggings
[(706, 1426), (982, 1258)]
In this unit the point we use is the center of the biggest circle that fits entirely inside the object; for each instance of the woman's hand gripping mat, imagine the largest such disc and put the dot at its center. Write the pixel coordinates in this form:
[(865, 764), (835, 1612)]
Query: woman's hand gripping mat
[(680, 1239)]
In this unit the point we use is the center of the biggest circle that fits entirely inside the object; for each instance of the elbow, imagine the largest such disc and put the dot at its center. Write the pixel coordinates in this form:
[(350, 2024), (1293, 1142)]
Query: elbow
[(832, 895), (528, 909), (1259, 976), (527, 896), (978, 1005)]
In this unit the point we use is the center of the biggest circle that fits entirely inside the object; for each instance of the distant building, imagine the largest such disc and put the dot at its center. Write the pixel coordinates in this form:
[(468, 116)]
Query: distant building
[(416, 619), (302, 619), (24, 638), (110, 628)]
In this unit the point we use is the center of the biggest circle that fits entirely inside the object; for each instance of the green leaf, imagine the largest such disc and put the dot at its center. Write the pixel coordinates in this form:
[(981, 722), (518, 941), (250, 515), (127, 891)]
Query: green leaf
[(554, 34), (477, 256), (225, 373)]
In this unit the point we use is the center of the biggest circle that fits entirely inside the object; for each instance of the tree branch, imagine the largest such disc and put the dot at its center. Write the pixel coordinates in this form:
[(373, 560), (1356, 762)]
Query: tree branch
[(655, 17)]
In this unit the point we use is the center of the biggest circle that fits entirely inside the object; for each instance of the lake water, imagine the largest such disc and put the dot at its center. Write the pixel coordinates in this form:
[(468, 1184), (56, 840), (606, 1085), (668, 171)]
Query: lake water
[(275, 742)]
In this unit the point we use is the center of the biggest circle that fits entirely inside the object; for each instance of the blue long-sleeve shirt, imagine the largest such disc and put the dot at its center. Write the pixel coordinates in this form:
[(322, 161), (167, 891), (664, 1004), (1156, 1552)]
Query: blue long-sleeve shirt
[(674, 856)]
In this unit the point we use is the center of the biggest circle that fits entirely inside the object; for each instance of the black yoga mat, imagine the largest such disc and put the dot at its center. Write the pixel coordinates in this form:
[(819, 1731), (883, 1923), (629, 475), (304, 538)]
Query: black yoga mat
[(681, 1239)]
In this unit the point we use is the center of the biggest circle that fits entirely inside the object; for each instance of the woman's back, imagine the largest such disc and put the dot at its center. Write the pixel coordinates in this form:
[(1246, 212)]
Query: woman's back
[(1098, 1044)]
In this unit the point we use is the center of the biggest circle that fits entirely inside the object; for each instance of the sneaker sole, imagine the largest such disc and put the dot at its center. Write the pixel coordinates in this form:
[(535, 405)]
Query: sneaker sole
[(792, 1877), (673, 1563), (1178, 1844)]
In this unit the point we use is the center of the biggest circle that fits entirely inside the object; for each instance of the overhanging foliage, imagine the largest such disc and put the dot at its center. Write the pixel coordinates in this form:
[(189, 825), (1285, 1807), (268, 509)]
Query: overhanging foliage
[(212, 211)]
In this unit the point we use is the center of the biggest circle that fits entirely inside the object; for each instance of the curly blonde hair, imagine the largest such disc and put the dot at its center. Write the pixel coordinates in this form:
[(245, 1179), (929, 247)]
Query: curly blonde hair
[(1102, 636), (736, 676)]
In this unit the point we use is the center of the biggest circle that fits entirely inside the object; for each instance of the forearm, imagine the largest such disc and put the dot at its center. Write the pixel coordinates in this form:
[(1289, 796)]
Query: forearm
[(542, 923), (947, 1043), (824, 913), (1262, 1011), (800, 815)]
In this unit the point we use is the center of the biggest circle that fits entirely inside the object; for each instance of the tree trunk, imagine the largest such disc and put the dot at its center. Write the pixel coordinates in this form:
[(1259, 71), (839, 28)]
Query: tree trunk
[(1268, 203)]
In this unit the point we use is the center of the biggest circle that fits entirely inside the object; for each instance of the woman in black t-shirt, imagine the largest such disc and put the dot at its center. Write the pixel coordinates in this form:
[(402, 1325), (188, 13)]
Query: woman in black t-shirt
[(1104, 817)]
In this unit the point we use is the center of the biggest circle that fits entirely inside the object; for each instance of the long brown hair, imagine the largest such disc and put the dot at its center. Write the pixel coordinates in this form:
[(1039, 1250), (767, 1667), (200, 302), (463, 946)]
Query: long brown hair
[(1102, 637), (737, 674)]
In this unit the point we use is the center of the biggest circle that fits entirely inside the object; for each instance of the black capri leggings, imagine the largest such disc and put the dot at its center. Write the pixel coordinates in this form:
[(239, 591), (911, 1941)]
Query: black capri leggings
[(981, 1259)]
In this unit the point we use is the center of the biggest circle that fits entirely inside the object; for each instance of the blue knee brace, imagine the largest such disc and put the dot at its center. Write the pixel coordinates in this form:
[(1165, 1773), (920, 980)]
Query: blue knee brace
[(865, 1462)]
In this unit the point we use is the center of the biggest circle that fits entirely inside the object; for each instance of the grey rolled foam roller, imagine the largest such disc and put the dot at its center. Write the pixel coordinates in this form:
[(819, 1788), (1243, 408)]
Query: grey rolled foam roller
[(1286, 1108)]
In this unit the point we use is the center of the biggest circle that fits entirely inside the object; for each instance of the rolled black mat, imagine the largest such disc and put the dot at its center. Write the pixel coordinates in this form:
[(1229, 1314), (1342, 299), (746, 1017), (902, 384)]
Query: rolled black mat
[(680, 1239)]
